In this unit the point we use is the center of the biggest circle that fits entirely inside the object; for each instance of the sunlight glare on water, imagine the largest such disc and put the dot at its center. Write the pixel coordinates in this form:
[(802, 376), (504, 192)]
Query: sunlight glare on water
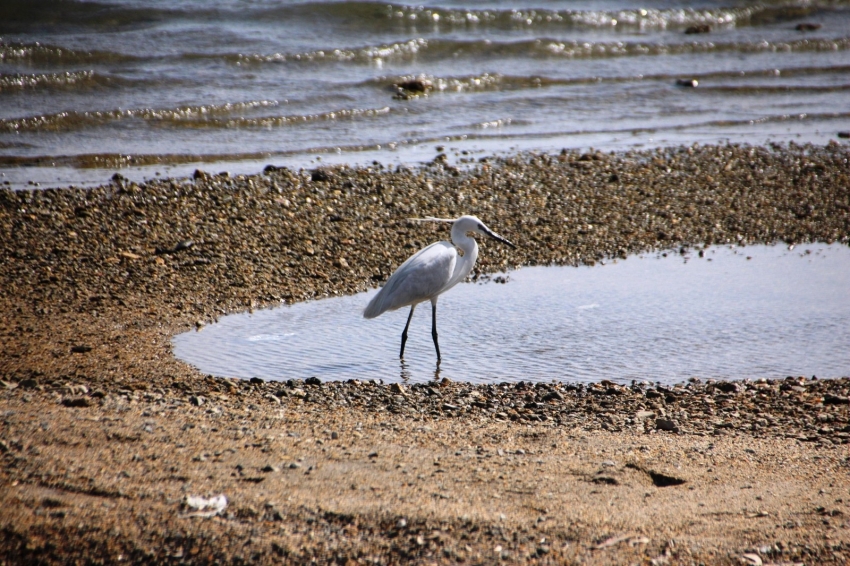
[(746, 312)]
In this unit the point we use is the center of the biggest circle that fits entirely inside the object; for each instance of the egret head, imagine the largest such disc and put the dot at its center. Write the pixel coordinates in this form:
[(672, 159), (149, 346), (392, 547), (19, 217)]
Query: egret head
[(466, 224)]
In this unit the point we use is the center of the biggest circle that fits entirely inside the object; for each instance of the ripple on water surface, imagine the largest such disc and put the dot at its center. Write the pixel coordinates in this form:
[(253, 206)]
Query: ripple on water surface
[(745, 312)]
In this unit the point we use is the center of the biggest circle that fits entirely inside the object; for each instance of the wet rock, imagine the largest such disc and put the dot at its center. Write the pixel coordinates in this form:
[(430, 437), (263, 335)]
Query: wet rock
[(687, 83), (698, 28), (807, 26), (418, 86)]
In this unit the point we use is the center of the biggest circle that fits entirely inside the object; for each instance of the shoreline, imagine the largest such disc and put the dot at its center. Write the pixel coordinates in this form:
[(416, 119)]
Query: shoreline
[(108, 432)]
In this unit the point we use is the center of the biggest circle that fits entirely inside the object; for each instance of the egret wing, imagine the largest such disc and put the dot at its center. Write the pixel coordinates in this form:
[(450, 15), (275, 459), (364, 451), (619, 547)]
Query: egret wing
[(420, 278)]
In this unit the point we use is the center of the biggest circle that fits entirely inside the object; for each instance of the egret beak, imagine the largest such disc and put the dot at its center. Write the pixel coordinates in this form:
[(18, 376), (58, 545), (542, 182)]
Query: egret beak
[(495, 236)]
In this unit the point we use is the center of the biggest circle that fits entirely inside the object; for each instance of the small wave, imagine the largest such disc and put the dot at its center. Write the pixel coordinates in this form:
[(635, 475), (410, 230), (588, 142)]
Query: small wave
[(586, 50), (41, 54), (777, 118), (210, 116), (68, 80), (62, 121), (74, 81), (367, 54), (773, 89), (434, 50), (280, 121), (640, 19)]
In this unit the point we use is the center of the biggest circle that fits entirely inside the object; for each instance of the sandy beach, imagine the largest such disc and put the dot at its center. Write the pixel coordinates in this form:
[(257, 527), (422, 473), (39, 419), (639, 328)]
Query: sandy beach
[(106, 438)]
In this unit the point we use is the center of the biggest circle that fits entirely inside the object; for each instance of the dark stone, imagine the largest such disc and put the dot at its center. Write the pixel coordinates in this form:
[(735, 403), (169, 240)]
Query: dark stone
[(313, 381), (698, 28), (76, 402), (81, 349), (256, 380), (830, 399), (416, 85), (727, 387), (320, 175), (553, 396), (807, 26), (688, 83)]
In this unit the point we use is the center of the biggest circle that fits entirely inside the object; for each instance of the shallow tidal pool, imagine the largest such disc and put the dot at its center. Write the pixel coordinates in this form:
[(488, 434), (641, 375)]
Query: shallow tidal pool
[(735, 313)]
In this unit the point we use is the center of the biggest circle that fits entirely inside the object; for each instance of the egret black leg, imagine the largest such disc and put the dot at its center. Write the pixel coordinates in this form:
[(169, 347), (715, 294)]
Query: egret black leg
[(434, 329), (404, 334)]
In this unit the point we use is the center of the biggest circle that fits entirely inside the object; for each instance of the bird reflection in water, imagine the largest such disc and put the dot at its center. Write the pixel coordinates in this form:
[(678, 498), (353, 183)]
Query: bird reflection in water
[(406, 375)]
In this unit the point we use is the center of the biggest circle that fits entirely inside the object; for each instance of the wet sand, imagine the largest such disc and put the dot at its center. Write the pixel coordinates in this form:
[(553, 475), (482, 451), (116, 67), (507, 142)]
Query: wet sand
[(105, 434)]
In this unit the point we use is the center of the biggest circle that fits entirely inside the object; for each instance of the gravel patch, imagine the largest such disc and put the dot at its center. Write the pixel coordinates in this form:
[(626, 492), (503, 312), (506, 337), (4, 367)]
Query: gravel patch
[(107, 438)]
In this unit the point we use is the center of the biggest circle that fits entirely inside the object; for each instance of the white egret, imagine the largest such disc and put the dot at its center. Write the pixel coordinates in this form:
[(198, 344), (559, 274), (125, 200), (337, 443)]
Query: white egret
[(430, 272)]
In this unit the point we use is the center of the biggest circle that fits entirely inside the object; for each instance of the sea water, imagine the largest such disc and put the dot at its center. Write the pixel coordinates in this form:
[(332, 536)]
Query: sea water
[(153, 87)]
